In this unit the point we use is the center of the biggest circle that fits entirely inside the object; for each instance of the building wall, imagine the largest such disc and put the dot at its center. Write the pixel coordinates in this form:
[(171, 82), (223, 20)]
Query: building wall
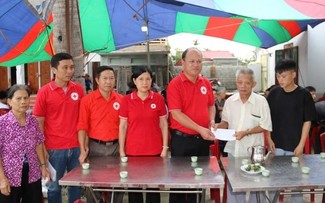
[(4, 79), (226, 74), (124, 63), (316, 59), (311, 58)]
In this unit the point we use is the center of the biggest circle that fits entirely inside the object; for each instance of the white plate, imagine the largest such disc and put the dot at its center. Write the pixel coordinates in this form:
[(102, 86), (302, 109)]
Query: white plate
[(251, 172)]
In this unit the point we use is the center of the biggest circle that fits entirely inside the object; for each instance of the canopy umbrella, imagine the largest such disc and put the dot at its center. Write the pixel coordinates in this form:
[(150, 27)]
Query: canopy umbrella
[(259, 33), (24, 35), (117, 24), (108, 25), (267, 9)]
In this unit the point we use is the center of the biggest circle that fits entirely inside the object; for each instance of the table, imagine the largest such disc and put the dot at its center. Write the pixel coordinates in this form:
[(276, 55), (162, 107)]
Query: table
[(148, 172), (284, 175)]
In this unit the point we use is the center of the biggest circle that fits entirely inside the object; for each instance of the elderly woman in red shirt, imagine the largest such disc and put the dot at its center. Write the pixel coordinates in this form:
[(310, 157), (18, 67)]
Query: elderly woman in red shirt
[(22, 161)]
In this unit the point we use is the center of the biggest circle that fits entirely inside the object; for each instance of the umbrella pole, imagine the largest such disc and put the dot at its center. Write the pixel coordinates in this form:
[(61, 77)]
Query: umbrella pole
[(148, 44)]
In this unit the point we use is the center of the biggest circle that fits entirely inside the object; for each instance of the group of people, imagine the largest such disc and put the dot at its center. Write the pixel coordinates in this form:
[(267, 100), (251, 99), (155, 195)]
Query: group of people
[(68, 127), (284, 117)]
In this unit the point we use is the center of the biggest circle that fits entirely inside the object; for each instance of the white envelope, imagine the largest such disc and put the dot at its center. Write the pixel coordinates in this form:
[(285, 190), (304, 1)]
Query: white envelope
[(224, 134), (52, 171)]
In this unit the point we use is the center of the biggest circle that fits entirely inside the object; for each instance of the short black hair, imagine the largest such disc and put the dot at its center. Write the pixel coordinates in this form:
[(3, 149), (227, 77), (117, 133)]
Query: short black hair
[(59, 57), (3, 94), (100, 69), (285, 65), (15, 88), (187, 50), (311, 88), (137, 72)]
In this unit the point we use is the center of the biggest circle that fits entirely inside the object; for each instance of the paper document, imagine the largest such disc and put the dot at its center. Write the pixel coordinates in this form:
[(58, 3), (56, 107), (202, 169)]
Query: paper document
[(224, 134), (52, 171)]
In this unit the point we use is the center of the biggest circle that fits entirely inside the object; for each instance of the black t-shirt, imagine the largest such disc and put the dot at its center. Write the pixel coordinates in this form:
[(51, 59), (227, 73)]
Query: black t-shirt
[(289, 110)]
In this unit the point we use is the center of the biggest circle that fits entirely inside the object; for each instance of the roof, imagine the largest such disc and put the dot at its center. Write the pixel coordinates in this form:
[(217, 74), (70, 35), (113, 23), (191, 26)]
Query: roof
[(217, 54), (141, 49), (210, 55)]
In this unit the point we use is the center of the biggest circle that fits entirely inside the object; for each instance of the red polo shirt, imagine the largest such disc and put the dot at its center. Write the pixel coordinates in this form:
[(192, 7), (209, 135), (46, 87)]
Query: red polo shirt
[(60, 111), (193, 99), (144, 136), (100, 117)]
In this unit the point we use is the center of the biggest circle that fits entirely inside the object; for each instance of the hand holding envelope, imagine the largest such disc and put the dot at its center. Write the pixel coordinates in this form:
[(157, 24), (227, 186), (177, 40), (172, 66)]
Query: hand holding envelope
[(224, 134)]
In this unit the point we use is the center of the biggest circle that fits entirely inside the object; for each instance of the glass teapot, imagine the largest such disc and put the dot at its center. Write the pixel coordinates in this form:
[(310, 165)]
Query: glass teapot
[(257, 153)]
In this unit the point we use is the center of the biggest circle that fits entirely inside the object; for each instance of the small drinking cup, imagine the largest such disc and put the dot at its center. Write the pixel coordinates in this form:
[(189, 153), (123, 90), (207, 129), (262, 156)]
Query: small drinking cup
[(198, 171), (194, 159), (244, 161), (124, 159), (265, 173), (123, 174), (294, 159), (305, 169), (322, 155), (85, 166)]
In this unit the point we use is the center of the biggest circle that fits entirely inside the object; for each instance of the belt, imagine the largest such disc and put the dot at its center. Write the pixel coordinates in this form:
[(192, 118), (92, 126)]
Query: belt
[(185, 135), (104, 142)]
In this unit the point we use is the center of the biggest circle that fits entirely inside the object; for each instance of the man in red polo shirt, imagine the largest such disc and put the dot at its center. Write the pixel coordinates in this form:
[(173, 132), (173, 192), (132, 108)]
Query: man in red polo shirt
[(99, 122), (57, 109), (192, 111)]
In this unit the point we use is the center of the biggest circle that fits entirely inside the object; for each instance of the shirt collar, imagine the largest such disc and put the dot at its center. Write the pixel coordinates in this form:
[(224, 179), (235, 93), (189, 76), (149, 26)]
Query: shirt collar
[(251, 98), (53, 86), (98, 95), (12, 117), (135, 96), (184, 78)]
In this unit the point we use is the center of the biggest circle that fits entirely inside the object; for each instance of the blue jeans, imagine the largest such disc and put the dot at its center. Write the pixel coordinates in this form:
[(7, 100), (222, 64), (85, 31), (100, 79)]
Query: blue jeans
[(281, 152), (62, 160)]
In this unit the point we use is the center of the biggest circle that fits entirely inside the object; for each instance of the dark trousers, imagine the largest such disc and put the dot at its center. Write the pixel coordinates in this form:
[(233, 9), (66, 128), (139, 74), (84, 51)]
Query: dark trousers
[(103, 150), (222, 145), (187, 145), (137, 197), (26, 193)]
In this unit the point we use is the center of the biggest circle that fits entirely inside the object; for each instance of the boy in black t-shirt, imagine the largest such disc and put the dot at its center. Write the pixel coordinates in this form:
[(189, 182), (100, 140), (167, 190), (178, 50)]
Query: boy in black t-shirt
[(292, 111)]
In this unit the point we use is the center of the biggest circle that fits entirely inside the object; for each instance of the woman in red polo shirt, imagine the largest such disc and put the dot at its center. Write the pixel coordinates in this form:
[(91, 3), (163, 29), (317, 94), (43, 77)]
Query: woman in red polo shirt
[(143, 127)]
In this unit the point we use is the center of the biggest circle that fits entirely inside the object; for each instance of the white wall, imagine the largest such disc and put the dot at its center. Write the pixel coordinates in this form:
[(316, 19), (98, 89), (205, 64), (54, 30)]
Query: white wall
[(256, 67), (311, 58), (316, 58)]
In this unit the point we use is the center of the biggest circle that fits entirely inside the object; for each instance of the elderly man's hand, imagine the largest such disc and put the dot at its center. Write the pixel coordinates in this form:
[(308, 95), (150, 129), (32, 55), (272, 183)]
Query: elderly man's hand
[(240, 134)]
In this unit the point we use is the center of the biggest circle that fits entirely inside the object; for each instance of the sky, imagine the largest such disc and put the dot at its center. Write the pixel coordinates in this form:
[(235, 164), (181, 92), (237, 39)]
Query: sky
[(184, 40)]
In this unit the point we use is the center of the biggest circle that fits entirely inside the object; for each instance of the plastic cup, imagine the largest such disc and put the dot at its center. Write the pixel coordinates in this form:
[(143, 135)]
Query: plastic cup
[(265, 173), (244, 161), (322, 155), (294, 159), (305, 169), (124, 159), (85, 166), (194, 159), (198, 171), (123, 174)]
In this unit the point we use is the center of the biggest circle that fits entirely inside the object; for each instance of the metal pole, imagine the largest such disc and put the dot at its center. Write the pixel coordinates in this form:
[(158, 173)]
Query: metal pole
[(148, 44)]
